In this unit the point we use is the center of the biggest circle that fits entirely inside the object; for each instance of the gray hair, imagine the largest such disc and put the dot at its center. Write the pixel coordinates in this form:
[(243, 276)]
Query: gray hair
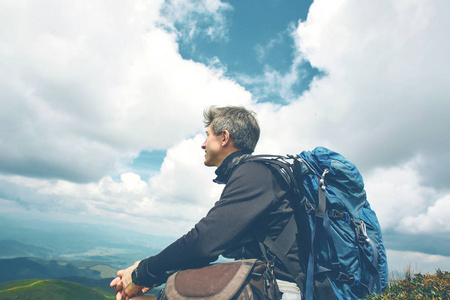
[(240, 123)]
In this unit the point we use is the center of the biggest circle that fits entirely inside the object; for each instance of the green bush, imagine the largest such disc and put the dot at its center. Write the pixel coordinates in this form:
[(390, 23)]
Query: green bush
[(418, 286)]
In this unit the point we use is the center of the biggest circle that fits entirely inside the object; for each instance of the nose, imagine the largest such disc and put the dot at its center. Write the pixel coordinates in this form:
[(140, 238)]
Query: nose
[(204, 145)]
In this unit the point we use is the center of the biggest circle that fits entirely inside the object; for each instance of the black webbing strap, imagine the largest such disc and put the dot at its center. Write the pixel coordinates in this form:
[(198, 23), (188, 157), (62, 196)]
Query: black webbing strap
[(321, 208), (270, 244), (372, 266), (287, 237)]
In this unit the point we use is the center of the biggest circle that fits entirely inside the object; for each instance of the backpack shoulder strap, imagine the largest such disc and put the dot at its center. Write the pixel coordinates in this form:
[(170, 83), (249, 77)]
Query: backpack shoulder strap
[(297, 228)]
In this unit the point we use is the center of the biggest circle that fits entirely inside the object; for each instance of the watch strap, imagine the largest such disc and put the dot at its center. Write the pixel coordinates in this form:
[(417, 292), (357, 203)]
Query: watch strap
[(135, 277)]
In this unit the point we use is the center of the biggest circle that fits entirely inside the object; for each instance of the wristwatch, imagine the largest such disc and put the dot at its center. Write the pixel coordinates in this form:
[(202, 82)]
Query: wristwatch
[(135, 277)]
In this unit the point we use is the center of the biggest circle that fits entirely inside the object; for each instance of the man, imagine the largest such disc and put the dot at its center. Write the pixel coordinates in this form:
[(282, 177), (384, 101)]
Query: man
[(254, 203)]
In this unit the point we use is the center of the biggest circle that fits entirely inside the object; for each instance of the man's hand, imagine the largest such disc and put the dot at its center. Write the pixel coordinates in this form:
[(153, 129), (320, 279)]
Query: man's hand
[(124, 287)]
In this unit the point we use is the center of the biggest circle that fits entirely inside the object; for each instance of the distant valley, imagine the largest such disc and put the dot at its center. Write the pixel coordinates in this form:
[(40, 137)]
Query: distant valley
[(65, 256), (32, 267), (67, 241)]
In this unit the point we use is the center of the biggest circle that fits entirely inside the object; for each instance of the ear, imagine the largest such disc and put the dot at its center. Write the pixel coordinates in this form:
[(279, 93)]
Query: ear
[(226, 138)]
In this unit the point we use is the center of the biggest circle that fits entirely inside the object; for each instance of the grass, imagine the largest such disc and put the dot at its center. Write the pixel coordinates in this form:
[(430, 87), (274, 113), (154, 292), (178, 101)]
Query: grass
[(417, 286), (36, 289)]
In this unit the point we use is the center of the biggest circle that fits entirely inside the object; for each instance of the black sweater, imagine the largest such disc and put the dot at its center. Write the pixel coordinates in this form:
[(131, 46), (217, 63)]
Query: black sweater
[(253, 201)]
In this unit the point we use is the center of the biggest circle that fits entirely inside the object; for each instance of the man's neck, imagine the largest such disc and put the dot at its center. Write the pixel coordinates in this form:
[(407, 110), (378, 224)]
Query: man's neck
[(227, 152), (224, 170)]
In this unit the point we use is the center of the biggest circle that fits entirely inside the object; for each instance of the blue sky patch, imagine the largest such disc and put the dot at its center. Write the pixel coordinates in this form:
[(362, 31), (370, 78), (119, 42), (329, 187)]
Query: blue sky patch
[(257, 50), (148, 163)]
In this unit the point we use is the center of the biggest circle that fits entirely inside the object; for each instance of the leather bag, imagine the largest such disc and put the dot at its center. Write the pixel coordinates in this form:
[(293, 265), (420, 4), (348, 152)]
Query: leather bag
[(240, 279)]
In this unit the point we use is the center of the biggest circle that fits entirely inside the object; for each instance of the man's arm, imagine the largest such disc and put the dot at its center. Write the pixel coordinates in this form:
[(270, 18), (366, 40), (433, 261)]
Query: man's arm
[(247, 195)]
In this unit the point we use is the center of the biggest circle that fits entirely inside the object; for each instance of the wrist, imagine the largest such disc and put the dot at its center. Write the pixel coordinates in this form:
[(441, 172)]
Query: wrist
[(135, 277)]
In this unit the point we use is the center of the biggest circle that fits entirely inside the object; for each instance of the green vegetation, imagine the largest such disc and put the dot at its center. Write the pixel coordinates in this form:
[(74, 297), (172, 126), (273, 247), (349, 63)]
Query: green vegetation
[(418, 286), (50, 289)]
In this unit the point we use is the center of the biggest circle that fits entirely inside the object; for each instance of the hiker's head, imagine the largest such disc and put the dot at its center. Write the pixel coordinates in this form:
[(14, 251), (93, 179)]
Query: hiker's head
[(237, 124)]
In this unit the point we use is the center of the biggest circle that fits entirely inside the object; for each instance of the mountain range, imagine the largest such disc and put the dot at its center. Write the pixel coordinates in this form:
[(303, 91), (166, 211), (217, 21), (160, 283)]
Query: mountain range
[(67, 261)]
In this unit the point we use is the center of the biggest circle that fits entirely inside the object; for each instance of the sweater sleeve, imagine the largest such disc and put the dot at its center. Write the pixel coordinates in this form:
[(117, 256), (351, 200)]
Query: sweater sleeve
[(247, 195)]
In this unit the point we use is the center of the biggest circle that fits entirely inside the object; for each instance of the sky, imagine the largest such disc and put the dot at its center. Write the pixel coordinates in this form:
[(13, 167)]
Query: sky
[(101, 106)]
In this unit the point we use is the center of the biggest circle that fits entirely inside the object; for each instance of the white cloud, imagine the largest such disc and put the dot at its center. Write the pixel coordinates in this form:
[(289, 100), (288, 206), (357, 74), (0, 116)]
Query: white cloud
[(183, 177), (169, 204), (398, 197), (196, 18), (97, 83), (416, 262), (87, 85), (434, 220), (385, 98)]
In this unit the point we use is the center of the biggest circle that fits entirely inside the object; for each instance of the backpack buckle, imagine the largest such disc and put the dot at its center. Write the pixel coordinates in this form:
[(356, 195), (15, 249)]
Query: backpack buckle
[(361, 232), (309, 207), (335, 266), (336, 214), (342, 277)]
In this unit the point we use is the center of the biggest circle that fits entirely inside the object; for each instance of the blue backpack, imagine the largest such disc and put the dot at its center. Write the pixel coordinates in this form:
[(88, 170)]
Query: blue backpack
[(342, 232)]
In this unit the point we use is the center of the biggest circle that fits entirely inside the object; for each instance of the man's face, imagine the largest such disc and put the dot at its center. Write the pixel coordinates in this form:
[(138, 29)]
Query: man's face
[(212, 146)]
